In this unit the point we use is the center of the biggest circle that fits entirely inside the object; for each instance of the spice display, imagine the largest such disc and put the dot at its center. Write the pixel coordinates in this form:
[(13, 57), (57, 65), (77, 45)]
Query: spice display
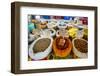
[(57, 37)]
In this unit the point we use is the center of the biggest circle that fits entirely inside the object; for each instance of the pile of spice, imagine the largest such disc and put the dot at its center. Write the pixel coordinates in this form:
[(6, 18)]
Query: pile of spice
[(81, 45), (41, 45)]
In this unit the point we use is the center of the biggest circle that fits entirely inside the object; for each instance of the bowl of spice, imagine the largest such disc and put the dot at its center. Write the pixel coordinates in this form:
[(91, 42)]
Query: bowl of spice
[(62, 46), (80, 47), (40, 48)]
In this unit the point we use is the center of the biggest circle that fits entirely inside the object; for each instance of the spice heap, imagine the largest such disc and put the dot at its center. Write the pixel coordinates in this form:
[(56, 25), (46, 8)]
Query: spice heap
[(41, 45), (81, 45)]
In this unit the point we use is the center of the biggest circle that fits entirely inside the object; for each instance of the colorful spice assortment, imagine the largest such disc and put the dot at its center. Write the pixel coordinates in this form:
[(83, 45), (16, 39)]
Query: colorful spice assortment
[(63, 30)]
